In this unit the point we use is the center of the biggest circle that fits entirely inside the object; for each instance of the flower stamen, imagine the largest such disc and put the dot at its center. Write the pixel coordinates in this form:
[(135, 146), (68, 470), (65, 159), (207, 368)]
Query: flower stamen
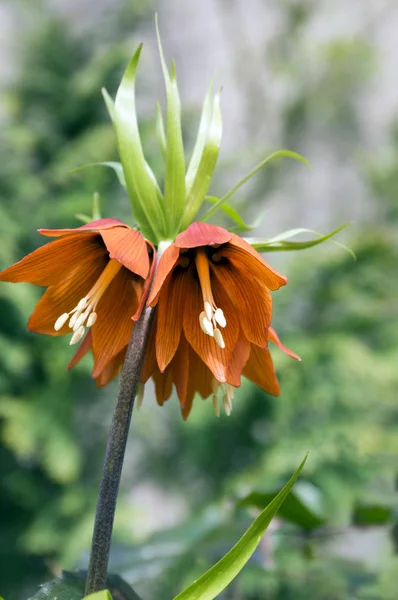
[(212, 317), (227, 395), (84, 315)]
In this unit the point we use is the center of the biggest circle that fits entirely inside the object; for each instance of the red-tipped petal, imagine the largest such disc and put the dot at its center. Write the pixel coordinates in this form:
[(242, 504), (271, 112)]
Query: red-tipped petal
[(82, 350), (163, 385), (147, 284), (260, 369), (272, 279), (97, 225), (56, 260), (128, 246), (180, 370), (167, 262), (202, 234), (113, 328), (273, 336), (238, 361)]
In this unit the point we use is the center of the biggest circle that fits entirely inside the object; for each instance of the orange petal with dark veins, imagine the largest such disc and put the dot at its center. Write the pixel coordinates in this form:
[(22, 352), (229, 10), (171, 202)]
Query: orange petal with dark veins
[(238, 361), (252, 302), (129, 247), (167, 262), (54, 261), (93, 226), (272, 279), (202, 234), (260, 369), (82, 350), (273, 336), (112, 330), (63, 297)]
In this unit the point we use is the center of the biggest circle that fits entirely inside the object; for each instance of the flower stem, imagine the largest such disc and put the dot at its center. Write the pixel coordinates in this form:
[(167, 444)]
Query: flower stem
[(106, 504)]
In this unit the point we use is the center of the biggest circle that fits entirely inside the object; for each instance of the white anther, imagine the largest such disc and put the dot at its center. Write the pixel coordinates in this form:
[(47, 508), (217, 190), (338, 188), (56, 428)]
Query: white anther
[(77, 336), (219, 317), (81, 304), (216, 405), (91, 319), (60, 322), (139, 397), (208, 311), (219, 338), (227, 404), (73, 319), (205, 324), (79, 321)]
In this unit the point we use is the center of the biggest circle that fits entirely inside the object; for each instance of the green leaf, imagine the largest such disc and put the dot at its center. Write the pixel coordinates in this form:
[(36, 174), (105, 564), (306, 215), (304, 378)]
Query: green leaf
[(143, 192), (102, 595), (280, 242), (116, 166), (160, 132), (293, 509), (174, 188), (278, 154), (110, 105), (216, 579), (201, 137), (205, 169), (372, 514), (232, 214)]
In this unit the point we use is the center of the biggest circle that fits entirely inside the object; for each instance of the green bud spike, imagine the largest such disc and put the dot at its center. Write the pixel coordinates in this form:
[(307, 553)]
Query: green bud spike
[(144, 193), (174, 192)]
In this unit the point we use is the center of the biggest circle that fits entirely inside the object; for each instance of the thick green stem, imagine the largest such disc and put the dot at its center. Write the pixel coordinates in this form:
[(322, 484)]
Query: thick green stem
[(106, 505)]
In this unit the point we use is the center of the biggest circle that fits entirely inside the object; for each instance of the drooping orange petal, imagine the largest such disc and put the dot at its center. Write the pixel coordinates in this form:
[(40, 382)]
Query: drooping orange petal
[(54, 261), (167, 262), (238, 361), (82, 350), (64, 296), (112, 330), (93, 226), (252, 301), (147, 284), (260, 369), (273, 336), (199, 382), (150, 365), (111, 369), (202, 234), (239, 248), (163, 385), (128, 246), (170, 309), (205, 346), (180, 370)]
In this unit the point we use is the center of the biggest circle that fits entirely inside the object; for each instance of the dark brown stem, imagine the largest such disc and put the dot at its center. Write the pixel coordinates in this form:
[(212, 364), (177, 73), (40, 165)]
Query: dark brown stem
[(106, 505)]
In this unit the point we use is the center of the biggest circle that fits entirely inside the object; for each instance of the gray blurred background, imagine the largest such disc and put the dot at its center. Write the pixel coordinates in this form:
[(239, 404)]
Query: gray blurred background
[(318, 78)]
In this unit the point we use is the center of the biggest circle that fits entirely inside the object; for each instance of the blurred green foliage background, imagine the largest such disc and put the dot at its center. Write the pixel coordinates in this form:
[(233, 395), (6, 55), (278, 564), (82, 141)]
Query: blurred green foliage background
[(190, 489)]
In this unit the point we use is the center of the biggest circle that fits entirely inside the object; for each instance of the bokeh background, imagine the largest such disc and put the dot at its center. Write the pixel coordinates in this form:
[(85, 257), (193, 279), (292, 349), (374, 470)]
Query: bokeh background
[(315, 76)]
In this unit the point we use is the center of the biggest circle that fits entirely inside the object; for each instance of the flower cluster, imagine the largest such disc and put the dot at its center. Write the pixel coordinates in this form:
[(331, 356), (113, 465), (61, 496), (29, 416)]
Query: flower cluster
[(210, 290)]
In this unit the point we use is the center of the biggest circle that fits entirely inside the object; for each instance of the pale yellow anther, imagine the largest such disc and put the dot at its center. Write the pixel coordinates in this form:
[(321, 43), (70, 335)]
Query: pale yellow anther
[(77, 336), (73, 320), (205, 324), (219, 338), (216, 405), (220, 318), (79, 321), (60, 322), (91, 319), (81, 305)]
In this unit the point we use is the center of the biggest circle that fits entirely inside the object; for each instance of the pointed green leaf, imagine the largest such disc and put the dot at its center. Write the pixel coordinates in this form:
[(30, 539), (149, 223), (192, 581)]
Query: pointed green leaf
[(216, 579), (102, 595), (278, 154), (280, 242), (174, 188), (116, 166), (160, 132), (147, 206), (233, 215), (110, 105), (207, 163), (203, 129)]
